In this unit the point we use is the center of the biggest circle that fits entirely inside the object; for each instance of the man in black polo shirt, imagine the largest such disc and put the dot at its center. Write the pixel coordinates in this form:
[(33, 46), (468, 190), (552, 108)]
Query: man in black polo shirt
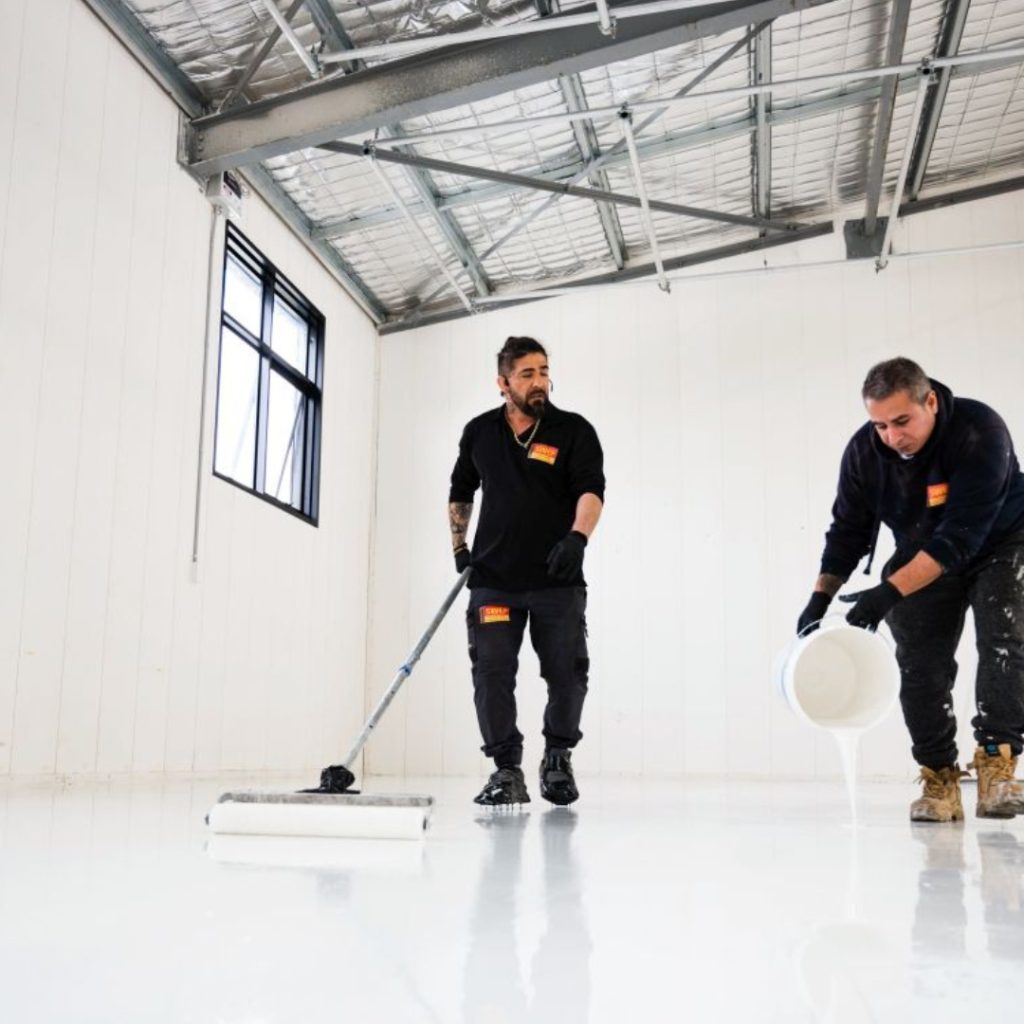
[(542, 475), (941, 473)]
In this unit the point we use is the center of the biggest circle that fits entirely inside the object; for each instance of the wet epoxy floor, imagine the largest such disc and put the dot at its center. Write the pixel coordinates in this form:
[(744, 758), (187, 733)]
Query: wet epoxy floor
[(656, 901)]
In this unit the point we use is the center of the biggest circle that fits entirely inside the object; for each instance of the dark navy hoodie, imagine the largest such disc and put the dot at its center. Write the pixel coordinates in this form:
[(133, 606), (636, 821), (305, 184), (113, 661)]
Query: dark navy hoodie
[(957, 498)]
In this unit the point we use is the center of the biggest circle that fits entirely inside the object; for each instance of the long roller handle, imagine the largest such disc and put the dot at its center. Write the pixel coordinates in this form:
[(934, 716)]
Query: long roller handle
[(405, 671)]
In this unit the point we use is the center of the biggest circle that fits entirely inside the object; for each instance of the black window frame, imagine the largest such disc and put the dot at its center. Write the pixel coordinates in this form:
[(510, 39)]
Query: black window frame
[(310, 385)]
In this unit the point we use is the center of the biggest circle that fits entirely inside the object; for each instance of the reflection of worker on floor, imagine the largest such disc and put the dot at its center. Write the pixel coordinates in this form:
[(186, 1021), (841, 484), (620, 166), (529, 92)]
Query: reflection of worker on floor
[(560, 967), (1002, 868), (493, 989), (940, 918)]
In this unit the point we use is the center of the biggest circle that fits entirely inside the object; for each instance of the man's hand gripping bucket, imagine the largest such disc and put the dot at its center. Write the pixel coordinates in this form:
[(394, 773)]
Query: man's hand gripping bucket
[(839, 677)]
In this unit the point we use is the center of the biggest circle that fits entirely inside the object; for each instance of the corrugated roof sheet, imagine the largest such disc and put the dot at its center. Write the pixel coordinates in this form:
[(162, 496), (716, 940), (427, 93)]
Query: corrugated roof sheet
[(699, 152)]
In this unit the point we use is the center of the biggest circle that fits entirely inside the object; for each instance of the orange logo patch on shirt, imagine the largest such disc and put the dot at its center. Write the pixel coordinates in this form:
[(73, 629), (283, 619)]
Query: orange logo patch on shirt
[(544, 453), (493, 613), (937, 494)]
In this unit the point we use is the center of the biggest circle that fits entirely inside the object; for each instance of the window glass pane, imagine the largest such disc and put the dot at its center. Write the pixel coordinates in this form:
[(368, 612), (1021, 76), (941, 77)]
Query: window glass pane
[(290, 335), (243, 295), (286, 438), (235, 446)]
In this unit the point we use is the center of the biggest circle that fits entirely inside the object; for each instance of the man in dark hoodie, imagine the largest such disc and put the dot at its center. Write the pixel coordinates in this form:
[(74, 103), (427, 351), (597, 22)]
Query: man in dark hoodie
[(941, 473), (541, 471)]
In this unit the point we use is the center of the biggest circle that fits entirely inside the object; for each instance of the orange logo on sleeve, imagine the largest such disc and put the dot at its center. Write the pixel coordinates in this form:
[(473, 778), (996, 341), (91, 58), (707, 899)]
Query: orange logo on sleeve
[(543, 453), (493, 613), (937, 494)]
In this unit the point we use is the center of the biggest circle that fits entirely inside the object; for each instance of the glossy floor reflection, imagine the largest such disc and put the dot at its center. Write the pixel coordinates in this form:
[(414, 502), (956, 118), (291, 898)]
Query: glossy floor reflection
[(703, 901)]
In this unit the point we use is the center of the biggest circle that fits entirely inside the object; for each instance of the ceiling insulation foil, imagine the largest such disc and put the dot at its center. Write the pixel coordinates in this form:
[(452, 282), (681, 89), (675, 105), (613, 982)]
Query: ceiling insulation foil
[(699, 151)]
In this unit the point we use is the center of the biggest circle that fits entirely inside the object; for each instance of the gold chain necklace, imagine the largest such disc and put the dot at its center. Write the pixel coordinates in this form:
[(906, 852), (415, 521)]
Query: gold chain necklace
[(515, 436)]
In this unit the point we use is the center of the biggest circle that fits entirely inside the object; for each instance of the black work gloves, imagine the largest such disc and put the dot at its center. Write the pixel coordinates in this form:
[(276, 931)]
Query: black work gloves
[(871, 606), (813, 613), (566, 558), (462, 561)]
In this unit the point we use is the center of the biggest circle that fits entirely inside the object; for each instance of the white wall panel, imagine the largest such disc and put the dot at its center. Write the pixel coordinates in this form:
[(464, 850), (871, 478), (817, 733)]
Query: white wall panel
[(723, 410), (11, 52), (136, 401), (116, 655), (24, 281), (59, 405), (104, 336)]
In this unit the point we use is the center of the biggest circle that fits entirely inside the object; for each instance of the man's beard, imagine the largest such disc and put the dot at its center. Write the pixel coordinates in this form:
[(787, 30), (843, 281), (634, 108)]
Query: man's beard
[(532, 405)]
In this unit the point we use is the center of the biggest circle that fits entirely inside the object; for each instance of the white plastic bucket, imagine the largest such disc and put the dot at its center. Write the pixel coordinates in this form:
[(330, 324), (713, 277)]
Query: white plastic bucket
[(839, 677)]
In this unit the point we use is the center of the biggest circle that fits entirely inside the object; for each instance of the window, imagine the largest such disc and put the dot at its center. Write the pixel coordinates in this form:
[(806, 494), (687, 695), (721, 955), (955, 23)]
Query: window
[(269, 383)]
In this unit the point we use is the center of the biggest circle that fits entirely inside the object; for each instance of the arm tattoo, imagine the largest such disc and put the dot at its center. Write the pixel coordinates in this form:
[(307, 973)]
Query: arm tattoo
[(459, 513)]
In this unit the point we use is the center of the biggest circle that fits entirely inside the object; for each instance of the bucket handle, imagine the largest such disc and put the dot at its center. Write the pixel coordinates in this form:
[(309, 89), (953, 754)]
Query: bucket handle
[(825, 622), (834, 621)]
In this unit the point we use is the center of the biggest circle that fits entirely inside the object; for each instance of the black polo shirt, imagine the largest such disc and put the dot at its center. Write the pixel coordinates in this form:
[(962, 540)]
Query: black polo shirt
[(529, 494)]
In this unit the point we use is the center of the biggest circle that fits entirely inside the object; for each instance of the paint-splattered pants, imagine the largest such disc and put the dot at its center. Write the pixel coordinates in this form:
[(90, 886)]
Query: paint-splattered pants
[(927, 627), (496, 621)]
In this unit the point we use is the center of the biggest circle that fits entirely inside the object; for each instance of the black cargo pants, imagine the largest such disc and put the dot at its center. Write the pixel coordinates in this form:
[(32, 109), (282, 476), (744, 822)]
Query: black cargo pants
[(496, 620), (927, 627)]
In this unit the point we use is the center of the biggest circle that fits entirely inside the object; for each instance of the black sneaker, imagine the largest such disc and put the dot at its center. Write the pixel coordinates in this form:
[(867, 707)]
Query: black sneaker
[(557, 784), (505, 786)]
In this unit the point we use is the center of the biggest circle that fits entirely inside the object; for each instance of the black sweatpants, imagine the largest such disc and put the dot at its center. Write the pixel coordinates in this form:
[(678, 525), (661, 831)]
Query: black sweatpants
[(496, 620), (927, 627)]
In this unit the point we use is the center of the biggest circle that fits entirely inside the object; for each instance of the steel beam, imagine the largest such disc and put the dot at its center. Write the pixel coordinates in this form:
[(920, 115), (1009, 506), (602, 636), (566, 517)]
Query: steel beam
[(907, 209), (123, 23), (618, 148), (982, 61), (328, 26), (272, 193), (949, 45), (924, 84), (448, 227), (645, 205), (359, 104), (415, 225), (673, 142), (294, 42), (761, 72), (883, 120), (963, 195), (724, 252), (259, 54), (539, 184), (586, 142), (331, 28), (128, 29)]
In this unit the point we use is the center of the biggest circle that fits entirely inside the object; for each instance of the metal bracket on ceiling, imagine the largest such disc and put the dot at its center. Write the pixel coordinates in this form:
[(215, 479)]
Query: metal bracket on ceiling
[(926, 79), (626, 117), (606, 20)]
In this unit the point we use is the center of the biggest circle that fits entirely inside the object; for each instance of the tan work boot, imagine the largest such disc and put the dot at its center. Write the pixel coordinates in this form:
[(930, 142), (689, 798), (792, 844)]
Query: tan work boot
[(940, 800), (1000, 795)]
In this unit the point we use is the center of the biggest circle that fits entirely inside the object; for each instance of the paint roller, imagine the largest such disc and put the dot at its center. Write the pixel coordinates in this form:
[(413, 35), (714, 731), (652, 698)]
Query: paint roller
[(333, 809)]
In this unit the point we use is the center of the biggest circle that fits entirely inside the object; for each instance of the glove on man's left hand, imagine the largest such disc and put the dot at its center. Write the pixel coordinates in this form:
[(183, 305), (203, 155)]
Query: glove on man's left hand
[(871, 605), (812, 615), (462, 559), (566, 558)]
